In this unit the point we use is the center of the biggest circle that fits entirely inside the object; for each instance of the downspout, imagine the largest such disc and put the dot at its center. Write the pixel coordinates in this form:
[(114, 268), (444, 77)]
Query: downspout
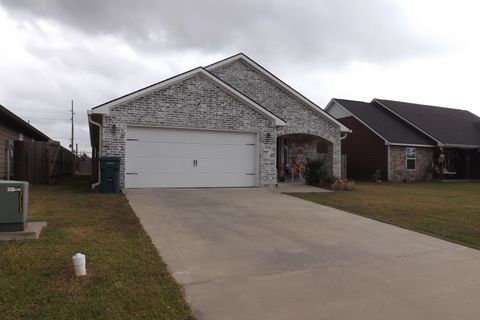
[(388, 162), (343, 174), (95, 184)]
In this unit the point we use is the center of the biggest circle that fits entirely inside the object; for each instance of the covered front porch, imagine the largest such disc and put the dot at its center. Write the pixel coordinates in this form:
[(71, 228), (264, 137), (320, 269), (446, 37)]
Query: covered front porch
[(457, 163), (294, 151)]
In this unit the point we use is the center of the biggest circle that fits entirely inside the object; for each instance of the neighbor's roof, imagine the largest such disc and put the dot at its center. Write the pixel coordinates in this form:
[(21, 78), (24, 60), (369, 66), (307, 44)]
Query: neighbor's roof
[(384, 123), (448, 126), (12, 120)]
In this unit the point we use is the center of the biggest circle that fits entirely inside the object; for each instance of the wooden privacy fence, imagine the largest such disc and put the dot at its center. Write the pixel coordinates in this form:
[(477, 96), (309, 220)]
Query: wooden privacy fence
[(42, 162)]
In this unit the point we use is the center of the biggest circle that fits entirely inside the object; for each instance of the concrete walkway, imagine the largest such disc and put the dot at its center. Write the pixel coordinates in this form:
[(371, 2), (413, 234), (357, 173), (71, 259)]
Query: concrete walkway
[(296, 187), (260, 254)]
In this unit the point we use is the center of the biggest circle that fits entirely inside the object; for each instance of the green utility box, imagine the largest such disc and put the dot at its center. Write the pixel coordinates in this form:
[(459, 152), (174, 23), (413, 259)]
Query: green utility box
[(110, 174), (13, 205)]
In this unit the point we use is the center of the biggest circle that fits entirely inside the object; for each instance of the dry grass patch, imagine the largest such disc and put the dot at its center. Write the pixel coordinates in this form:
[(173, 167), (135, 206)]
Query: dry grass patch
[(126, 277)]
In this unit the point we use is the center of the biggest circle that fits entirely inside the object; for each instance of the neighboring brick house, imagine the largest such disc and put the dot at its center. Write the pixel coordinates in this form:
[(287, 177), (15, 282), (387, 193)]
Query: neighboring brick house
[(402, 141), (230, 124), (13, 128)]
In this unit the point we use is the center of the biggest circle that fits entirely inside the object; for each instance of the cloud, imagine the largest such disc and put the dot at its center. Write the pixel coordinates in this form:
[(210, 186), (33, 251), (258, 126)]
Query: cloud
[(327, 32), (90, 51)]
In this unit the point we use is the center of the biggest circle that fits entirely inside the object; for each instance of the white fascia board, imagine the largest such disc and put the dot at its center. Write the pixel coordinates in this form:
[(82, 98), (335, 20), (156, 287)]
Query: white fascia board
[(334, 103), (279, 83), (359, 120), (461, 146), (105, 108), (413, 145), (440, 144), (330, 104)]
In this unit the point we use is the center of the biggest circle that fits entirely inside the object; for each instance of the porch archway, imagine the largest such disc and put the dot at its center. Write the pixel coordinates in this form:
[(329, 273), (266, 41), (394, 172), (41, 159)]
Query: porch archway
[(294, 150)]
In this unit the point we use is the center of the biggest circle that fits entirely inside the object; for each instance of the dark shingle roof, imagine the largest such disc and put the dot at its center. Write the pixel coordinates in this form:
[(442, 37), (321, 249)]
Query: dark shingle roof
[(385, 123), (449, 126), (12, 120)]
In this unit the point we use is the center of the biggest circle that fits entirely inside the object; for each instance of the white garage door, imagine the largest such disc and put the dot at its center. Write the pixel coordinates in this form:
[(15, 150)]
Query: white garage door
[(157, 157)]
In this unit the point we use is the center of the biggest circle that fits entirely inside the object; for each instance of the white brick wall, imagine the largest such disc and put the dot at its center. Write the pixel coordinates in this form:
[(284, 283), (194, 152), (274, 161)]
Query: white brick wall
[(300, 117), (197, 102), (192, 103)]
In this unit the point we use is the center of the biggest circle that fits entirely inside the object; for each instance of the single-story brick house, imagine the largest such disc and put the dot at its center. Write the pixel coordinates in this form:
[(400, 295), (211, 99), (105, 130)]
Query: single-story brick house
[(13, 128), (230, 124), (405, 141)]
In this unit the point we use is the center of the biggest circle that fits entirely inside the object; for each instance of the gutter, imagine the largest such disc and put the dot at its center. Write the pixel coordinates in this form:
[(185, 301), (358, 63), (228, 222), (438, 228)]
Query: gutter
[(345, 135), (96, 184)]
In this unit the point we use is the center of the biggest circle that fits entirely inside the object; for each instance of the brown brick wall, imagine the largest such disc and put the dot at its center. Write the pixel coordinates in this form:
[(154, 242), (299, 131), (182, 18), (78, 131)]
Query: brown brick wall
[(398, 164), (366, 152)]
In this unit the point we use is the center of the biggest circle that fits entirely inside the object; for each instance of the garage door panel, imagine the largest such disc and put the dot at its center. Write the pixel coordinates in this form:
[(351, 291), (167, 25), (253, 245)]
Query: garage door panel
[(172, 180), (186, 150), (139, 165), (191, 136), (186, 165), (158, 157)]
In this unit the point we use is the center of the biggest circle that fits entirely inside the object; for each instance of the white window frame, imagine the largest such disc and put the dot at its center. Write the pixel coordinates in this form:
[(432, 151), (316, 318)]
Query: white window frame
[(414, 158)]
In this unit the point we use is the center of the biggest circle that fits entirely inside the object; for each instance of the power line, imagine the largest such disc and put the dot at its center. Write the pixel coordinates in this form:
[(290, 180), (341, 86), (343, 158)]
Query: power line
[(47, 118), (43, 111), (38, 108)]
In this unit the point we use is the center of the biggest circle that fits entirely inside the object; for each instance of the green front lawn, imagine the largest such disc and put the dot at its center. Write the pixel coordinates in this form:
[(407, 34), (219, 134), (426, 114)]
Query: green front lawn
[(446, 210), (126, 277)]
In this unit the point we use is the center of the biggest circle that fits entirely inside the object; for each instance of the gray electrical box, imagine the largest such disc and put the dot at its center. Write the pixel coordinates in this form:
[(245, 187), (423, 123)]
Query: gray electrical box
[(13, 205)]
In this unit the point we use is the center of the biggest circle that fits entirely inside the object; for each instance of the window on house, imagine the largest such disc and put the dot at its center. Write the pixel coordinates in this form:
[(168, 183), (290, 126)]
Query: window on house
[(411, 154), (20, 136)]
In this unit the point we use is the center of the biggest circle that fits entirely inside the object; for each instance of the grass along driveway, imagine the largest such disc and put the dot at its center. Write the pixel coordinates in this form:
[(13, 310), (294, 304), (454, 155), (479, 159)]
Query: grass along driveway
[(449, 211), (126, 277)]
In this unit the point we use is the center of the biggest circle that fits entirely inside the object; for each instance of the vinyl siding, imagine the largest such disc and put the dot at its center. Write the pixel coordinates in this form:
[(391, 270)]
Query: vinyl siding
[(5, 134)]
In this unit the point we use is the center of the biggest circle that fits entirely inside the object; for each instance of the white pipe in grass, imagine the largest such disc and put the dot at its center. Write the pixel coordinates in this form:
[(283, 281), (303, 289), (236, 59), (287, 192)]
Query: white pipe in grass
[(79, 264)]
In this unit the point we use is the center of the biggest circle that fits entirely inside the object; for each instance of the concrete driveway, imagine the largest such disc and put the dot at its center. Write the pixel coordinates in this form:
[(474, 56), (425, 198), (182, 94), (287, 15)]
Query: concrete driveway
[(260, 254)]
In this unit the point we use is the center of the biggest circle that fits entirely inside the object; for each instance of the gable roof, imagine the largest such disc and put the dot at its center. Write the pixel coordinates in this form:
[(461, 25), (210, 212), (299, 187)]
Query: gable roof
[(383, 123), (280, 83), (450, 127), (12, 119), (105, 107)]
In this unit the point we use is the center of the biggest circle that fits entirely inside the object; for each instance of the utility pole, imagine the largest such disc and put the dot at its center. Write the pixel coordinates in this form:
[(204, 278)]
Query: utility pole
[(72, 145)]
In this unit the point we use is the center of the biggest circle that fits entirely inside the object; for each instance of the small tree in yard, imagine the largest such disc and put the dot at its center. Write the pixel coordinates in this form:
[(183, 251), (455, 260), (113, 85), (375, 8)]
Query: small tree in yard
[(315, 172)]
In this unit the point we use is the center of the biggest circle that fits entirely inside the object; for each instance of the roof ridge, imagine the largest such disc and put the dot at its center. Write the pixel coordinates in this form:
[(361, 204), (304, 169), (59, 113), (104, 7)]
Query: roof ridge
[(341, 99), (425, 105), (283, 85)]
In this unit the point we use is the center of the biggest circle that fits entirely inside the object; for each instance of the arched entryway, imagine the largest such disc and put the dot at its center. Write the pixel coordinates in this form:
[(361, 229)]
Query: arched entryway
[(295, 150)]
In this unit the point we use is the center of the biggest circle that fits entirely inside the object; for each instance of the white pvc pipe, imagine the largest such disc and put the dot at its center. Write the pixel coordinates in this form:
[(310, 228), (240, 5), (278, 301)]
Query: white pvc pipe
[(79, 264), (94, 185)]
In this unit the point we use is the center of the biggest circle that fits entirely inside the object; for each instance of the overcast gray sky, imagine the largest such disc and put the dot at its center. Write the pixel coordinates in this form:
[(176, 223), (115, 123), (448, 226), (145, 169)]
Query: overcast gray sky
[(91, 51)]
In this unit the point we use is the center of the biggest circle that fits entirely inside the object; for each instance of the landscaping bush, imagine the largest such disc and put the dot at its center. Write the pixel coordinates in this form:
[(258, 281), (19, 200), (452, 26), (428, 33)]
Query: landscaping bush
[(341, 184), (315, 172)]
